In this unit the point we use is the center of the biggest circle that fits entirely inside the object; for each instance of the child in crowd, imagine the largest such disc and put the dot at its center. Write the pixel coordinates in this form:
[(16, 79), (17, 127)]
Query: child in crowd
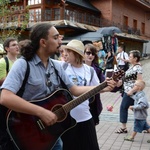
[(140, 109)]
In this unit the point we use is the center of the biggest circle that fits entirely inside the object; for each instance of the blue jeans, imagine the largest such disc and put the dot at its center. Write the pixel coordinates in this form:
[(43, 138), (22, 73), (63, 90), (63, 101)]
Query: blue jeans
[(126, 102), (140, 125), (58, 145)]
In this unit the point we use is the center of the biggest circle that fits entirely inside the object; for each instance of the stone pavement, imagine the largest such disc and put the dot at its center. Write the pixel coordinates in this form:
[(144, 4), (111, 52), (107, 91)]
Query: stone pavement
[(109, 121)]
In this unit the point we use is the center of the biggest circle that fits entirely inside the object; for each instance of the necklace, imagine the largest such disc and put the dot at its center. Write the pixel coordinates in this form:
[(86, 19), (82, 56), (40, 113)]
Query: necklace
[(79, 81)]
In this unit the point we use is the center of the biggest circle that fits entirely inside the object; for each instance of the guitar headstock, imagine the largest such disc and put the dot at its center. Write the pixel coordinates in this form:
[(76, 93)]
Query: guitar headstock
[(118, 75), (131, 77)]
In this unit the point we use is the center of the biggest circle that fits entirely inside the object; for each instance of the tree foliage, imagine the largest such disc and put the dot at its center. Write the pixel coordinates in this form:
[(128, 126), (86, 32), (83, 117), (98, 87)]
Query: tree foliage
[(13, 21)]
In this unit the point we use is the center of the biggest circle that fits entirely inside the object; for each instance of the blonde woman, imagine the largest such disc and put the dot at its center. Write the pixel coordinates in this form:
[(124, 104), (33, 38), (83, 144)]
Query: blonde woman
[(83, 135)]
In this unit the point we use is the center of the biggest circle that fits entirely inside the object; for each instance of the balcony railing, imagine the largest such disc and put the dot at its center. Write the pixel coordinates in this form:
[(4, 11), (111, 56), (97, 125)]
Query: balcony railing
[(123, 28)]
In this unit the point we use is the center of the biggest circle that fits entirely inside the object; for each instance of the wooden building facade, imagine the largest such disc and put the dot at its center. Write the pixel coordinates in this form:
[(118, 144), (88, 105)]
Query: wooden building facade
[(74, 17)]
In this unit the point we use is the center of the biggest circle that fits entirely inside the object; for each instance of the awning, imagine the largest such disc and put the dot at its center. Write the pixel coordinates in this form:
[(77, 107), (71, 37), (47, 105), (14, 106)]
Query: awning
[(68, 24), (90, 36), (131, 37)]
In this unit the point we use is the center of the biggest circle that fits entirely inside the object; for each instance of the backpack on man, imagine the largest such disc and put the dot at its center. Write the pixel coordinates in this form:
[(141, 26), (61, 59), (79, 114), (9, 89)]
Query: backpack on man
[(5, 141)]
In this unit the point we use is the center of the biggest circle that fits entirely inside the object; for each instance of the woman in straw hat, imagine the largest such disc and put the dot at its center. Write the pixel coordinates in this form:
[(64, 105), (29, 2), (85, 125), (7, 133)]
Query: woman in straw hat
[(83, 135)]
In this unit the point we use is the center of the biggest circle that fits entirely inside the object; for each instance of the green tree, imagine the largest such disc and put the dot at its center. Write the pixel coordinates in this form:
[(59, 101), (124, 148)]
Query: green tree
[(12, 20)]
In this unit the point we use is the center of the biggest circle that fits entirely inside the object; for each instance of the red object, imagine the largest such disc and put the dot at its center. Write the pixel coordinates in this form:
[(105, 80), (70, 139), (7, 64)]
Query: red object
[(110, 108)]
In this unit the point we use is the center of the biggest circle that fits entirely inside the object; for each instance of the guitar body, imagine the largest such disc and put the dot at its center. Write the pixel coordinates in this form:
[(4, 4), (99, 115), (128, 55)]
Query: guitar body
[(29, 133)]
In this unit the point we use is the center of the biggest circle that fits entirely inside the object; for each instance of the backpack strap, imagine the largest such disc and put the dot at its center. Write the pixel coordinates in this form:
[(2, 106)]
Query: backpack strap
[(124, 55), (62, 82), (7, 64), (65, 65), (92, 73), (20, 92)]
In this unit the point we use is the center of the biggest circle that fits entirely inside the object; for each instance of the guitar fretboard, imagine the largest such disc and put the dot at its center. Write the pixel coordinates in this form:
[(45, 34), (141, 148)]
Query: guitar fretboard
[(75, 102)]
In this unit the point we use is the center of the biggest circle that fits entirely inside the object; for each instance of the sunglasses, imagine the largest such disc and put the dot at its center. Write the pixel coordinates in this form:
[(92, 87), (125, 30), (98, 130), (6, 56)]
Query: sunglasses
[(89, 53)]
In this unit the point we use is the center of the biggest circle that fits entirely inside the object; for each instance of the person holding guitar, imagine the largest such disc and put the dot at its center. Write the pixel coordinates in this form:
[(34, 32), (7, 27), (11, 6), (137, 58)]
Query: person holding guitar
[(36, 118)]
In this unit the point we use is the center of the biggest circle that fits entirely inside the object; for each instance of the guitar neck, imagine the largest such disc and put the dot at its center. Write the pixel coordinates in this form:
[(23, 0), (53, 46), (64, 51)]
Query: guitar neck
[(75, 102)]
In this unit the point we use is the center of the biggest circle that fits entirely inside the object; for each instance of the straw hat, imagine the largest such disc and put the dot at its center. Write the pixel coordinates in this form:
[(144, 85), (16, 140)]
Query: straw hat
[(76, 46)]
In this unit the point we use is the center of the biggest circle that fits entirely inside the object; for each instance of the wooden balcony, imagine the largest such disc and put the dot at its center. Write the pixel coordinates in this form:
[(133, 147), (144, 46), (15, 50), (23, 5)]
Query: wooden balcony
[(68, 22), (54, 14)]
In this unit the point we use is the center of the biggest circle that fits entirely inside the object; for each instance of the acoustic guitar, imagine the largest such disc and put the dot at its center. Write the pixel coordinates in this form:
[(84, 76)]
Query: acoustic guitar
[(30, 133)]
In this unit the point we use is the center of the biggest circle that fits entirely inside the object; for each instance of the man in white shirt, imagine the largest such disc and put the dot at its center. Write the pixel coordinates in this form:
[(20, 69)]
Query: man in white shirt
[(122, 58)]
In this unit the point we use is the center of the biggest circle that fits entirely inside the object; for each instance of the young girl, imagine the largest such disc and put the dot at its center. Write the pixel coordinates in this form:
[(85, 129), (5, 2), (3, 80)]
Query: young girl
[(91, 59), (83, 135)]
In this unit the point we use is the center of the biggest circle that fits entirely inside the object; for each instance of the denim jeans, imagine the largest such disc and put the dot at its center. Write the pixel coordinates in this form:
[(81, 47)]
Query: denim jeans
[(58, 145), (126, 102)]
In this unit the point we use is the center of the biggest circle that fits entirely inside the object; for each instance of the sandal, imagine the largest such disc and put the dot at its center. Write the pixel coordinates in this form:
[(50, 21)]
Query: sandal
[(129, 139), (121, 130)]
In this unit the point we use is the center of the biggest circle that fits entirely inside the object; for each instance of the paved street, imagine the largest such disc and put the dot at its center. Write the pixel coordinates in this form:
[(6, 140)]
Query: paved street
[(107, 138)]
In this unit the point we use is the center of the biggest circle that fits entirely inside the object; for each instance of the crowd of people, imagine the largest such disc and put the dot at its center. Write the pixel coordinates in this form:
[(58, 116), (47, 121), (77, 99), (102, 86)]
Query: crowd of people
[(79, 69)]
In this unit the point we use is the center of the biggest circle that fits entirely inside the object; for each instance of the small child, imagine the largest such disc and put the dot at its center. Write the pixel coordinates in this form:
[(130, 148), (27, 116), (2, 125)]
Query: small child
[(140, 109)]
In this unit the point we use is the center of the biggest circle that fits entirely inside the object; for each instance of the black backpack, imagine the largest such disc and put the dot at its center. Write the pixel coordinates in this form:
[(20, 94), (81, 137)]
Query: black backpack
[(5, 141)]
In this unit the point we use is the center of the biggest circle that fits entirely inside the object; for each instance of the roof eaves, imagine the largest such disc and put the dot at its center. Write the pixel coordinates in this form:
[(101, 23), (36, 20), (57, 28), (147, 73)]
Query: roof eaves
[(132, 37), (84, 3)]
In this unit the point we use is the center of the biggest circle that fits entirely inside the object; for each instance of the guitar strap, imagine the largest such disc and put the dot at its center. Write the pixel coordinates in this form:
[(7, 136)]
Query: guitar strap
[(21, 90), (62, 82)]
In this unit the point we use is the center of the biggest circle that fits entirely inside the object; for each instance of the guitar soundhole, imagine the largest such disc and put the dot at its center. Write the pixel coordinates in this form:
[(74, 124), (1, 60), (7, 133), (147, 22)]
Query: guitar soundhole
[(60, 113)]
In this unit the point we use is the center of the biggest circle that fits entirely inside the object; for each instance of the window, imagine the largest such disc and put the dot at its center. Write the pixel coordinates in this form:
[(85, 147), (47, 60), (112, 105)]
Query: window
[(33, 2), (35, 15), (57, 13), (143, 28), (72, 16), (125, 21), (47, 14), (135, 24)]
